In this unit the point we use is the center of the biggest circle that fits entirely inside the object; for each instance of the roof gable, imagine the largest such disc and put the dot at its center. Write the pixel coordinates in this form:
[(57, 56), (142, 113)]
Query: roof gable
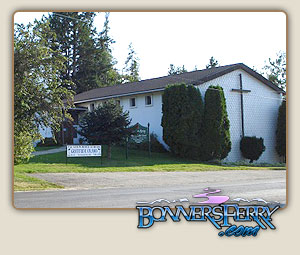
[(159, 84)]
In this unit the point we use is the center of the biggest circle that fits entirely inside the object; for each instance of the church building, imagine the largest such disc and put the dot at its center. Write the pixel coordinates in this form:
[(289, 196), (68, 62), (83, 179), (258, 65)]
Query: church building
[(252, 104)]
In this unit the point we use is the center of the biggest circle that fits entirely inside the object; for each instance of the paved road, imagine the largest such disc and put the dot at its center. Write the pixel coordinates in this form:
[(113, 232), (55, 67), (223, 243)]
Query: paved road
[(124, 190)]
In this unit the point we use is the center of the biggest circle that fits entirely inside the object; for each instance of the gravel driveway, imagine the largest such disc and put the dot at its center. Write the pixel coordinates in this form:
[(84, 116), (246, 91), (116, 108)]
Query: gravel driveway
[(158, 179)]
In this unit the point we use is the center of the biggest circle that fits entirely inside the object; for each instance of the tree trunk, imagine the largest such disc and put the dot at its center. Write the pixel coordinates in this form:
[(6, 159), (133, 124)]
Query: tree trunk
[(109, 151)]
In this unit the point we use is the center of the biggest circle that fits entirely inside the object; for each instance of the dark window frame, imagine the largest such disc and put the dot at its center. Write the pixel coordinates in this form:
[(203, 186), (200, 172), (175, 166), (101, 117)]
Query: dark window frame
[(92, 107), (131, 100), (147, 102)]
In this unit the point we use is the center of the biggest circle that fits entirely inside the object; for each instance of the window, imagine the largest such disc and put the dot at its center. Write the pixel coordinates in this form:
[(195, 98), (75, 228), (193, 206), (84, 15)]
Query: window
[(148, 100), (132, 102), (92, 107)]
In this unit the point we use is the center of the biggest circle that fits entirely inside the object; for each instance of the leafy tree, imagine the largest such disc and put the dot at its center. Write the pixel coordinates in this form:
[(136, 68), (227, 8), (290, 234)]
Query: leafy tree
[(131, 70), (107, 74), (39, 90), (23, 145), (275, 70), (176, 70), (182, 109), (107, 124), (88, 55), (216, 134), (281, 131), (252, 147), (212, 63), (72, 31)]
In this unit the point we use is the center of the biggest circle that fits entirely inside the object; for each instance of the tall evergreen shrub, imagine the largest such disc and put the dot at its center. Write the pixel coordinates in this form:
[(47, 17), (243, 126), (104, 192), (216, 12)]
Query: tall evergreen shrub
[(281, 131), (182, 109), (216, 134), (107, 124)]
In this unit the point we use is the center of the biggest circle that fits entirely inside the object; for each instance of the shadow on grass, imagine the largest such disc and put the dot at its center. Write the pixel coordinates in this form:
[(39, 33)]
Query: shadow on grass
[(135, 158), (46, 148)]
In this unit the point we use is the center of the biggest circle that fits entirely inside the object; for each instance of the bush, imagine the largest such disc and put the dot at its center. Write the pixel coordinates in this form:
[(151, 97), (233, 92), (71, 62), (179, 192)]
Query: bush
[(281, 131), (252, 147), (23, 147), (216, 135), (182, 110), (106, 125), (155, 145)]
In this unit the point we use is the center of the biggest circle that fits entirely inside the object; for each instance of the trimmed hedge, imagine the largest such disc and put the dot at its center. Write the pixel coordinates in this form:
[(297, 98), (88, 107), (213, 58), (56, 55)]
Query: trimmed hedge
[(216, 134), (182, 109), (252, 147), (281, 131)]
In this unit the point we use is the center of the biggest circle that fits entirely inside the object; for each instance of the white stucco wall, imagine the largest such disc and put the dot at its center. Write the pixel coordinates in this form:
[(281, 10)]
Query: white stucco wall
[(45, 132), (142, 113), (260, 112)]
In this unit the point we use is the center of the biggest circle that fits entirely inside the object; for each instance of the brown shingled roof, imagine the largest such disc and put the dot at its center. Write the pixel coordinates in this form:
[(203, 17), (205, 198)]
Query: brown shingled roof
[(156, 84)]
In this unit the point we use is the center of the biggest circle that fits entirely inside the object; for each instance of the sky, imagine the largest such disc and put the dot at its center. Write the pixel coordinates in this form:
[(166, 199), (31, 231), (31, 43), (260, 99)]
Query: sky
[(190, 38)]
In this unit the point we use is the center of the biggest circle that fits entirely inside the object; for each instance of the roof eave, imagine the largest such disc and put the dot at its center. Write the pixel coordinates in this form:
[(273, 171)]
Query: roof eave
[(118, 95), (196, 82), (246, 69)]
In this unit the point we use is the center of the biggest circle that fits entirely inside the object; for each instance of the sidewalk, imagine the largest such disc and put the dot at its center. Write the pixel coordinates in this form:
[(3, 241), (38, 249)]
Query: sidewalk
[(36, 153)]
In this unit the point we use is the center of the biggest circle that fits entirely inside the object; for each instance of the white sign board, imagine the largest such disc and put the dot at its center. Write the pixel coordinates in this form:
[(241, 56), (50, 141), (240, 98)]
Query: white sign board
[(83, 151)]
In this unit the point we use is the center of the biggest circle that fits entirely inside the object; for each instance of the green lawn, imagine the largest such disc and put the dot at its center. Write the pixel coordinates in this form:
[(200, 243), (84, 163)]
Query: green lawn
[(45, 148), (137, 161), (24, 182)]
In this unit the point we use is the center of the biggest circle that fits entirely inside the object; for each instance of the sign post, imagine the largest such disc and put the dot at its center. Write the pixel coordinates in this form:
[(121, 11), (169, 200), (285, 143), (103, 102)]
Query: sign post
[(141, 135), (126, 148), (66, 155), (149, 142), (81, 151)]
